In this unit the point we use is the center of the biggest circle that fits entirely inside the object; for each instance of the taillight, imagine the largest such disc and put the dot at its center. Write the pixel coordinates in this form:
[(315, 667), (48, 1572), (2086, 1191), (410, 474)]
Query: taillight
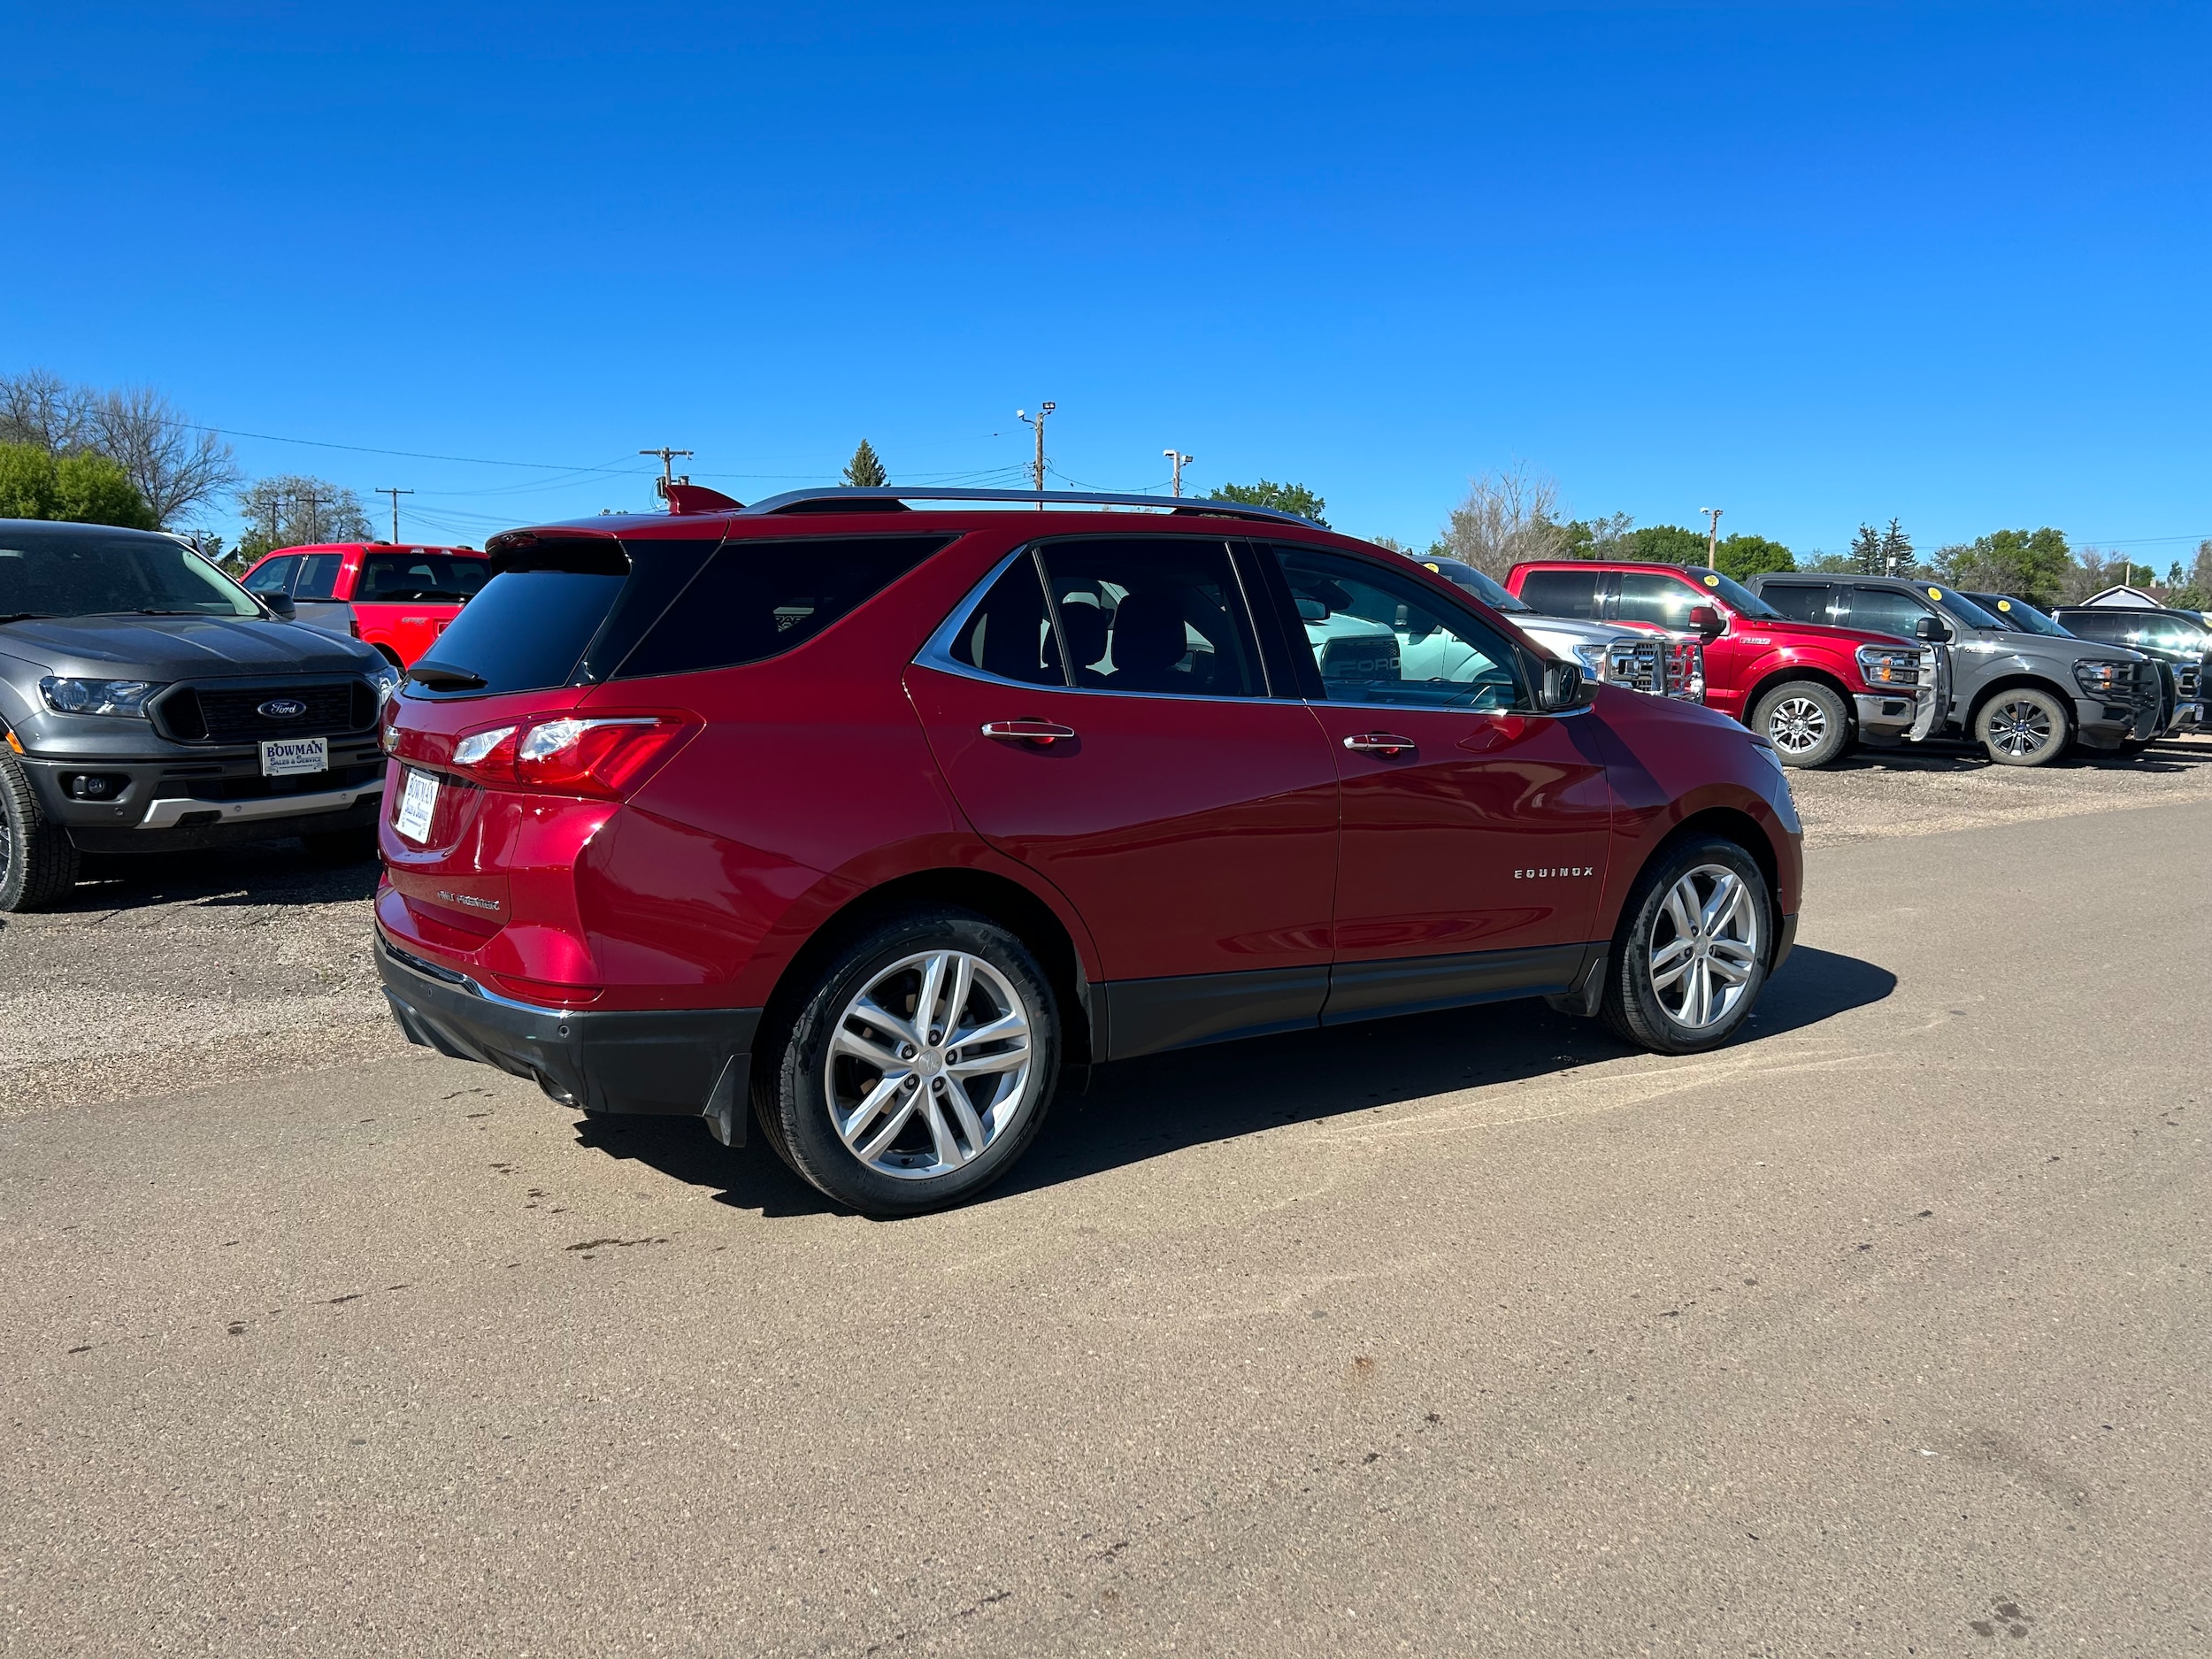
[(596, 755)]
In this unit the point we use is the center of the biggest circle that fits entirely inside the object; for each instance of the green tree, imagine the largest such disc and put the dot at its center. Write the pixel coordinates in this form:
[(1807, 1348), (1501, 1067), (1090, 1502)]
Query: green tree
[(2033, 564), (1881, 552), (1743, 556), (864, 471), (82, 488), (1283, 497), (2190, 584), (1668, 544)]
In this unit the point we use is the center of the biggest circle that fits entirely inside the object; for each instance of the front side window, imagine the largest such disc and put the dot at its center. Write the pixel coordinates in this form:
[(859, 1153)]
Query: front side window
[(1880, 611), (757, 599), (1153, 615), (272, 575), (1377, 637), (318, 576), (1648, 596)]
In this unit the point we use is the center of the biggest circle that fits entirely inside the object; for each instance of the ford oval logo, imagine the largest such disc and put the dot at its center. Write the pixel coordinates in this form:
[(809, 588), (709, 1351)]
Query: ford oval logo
[(283, 707)]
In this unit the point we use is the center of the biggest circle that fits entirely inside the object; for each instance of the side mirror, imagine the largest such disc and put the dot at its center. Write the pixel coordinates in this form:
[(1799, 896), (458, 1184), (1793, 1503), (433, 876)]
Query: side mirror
[(1706, 620), (1931, 628), (280, 606), (1562, 689)]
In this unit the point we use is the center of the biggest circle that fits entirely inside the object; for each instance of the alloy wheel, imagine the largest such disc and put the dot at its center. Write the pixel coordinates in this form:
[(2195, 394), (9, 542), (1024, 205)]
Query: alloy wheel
[(929, 1065), (1797, 726), (2020, 727), (1704, 945)]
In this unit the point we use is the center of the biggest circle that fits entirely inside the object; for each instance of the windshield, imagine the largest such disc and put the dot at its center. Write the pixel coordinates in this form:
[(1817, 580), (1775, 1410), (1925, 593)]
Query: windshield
[(81, 571), (1740, 599), (1961, 608), (1484, 587), (2018, 614)]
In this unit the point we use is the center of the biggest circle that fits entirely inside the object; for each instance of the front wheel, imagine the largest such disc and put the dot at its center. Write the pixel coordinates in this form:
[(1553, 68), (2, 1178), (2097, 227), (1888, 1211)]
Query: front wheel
[(38, 862), (919, 1068), (1689, 964), (2022, 727), (1806, 722)]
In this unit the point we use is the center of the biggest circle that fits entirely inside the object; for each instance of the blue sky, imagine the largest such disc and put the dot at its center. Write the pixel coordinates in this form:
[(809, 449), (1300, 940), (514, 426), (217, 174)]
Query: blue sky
[(1814, 265)]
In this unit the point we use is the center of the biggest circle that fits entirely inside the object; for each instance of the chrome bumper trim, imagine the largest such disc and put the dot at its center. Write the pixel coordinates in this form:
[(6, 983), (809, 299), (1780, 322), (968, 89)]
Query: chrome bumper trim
[(164, 813)]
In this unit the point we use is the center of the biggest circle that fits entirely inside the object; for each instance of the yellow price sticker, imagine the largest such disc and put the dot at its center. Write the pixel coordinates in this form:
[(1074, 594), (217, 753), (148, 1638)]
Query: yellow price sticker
[(1935, 593), (1712, 581), (2004, 604)]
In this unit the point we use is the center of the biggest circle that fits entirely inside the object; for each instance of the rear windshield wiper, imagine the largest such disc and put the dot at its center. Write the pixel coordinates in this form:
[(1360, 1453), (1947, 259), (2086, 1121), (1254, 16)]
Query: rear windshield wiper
[(440, 678)]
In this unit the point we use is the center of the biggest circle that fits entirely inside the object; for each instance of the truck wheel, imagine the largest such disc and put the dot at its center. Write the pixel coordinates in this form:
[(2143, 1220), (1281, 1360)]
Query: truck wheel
[(1689, 964), (2022, 727), (1805, 721), (38, 862), (919, 1069)]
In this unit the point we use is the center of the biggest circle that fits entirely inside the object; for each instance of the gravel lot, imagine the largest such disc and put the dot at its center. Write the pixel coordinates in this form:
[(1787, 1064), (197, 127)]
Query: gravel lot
[(217, 968)]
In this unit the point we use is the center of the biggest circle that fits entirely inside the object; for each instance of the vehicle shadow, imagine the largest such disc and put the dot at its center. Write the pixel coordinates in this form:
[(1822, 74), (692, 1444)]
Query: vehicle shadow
[(1142, 1108), (254, 872), (1945, 754)]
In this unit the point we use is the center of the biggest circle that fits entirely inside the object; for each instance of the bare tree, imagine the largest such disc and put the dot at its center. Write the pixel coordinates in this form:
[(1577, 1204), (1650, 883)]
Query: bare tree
[(174, 464), (39, 408), (1508, 517), (292, 510)]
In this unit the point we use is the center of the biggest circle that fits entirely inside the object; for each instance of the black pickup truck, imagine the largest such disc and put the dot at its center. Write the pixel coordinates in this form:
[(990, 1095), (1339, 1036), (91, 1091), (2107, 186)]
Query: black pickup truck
[(148, 702)]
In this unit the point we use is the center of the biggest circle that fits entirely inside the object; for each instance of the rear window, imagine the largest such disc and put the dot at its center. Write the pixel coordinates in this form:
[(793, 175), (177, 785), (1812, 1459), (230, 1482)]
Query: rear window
[(420, 578), (1561, 592), (757, 599), (526, 632)]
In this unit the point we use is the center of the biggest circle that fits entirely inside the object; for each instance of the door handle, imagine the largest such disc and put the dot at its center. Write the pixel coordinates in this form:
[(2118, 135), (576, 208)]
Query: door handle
[(1043, 733), (1388, 744)]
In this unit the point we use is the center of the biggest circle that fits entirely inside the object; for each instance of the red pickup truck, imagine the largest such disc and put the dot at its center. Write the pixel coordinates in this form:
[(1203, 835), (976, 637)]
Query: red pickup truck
[(1810, 689), (397, 598)]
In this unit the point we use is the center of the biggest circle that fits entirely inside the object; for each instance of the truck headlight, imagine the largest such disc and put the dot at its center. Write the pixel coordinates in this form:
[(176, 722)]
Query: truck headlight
[(126, 698), (1891, 667), (1596, 662), (2102, 678)]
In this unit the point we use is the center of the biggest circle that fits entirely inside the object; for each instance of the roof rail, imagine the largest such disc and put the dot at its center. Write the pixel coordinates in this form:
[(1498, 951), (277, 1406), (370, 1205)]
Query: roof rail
[(886, 498)]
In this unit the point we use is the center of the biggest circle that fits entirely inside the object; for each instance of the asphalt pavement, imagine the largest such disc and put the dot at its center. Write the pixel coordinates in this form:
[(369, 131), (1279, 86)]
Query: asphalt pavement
[(1882, 1332)]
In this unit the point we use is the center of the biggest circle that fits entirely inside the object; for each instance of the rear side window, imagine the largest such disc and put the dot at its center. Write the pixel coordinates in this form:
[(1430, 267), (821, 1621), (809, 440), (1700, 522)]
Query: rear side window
[(1649, 597), (2090, 626), (1561, 592), (420, 578), (757, 599), (1154, 615), (318, 576), (271, 576), (1009, 636), (1807, 602)]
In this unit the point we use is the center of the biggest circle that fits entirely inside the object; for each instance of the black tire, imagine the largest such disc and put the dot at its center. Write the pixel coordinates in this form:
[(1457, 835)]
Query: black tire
[(1634, 1005), (2024, 726), (1807, 722), (38, 862), (341, 847), (802, 1061)]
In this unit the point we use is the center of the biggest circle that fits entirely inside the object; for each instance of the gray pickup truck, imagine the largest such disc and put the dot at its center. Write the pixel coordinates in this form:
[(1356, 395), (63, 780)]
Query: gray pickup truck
[(149, 703), (2024, 697)]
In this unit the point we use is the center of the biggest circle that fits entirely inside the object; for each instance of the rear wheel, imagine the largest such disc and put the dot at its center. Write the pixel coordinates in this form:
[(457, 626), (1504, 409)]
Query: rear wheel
[(2022, 727), (1806, 722), (38, 862), (1690, 962), (919, 1068)]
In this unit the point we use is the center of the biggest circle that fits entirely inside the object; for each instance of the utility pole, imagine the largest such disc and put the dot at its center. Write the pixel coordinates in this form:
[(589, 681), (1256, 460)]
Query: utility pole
[(1037, 422), (315, 505), (667, 459), (1180, 462), (274, 507), (386, 490), (1712, 535)]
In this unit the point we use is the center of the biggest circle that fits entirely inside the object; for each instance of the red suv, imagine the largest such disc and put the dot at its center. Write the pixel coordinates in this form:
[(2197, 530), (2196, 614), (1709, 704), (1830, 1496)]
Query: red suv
[(398, 599), (1808, 689), (868, 820)]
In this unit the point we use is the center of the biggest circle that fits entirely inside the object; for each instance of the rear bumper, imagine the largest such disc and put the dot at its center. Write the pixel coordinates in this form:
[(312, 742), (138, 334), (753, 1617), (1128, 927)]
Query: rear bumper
[(687, 1063)]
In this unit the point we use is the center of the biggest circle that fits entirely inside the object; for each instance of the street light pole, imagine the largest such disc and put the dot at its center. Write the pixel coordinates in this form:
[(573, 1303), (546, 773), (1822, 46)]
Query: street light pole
[(1712, 534), (1180, 462), (1037, 424)]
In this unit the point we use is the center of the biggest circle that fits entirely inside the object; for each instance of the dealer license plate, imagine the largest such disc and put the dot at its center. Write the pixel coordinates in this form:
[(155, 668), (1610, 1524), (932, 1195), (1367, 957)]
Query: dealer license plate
[(417, 805), (285, 756)]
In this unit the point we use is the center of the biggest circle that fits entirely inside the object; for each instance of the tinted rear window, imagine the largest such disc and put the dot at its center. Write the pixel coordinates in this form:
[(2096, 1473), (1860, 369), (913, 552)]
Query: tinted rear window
[(1561, 592), (528, 630), (420, 578), (757, 599)]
